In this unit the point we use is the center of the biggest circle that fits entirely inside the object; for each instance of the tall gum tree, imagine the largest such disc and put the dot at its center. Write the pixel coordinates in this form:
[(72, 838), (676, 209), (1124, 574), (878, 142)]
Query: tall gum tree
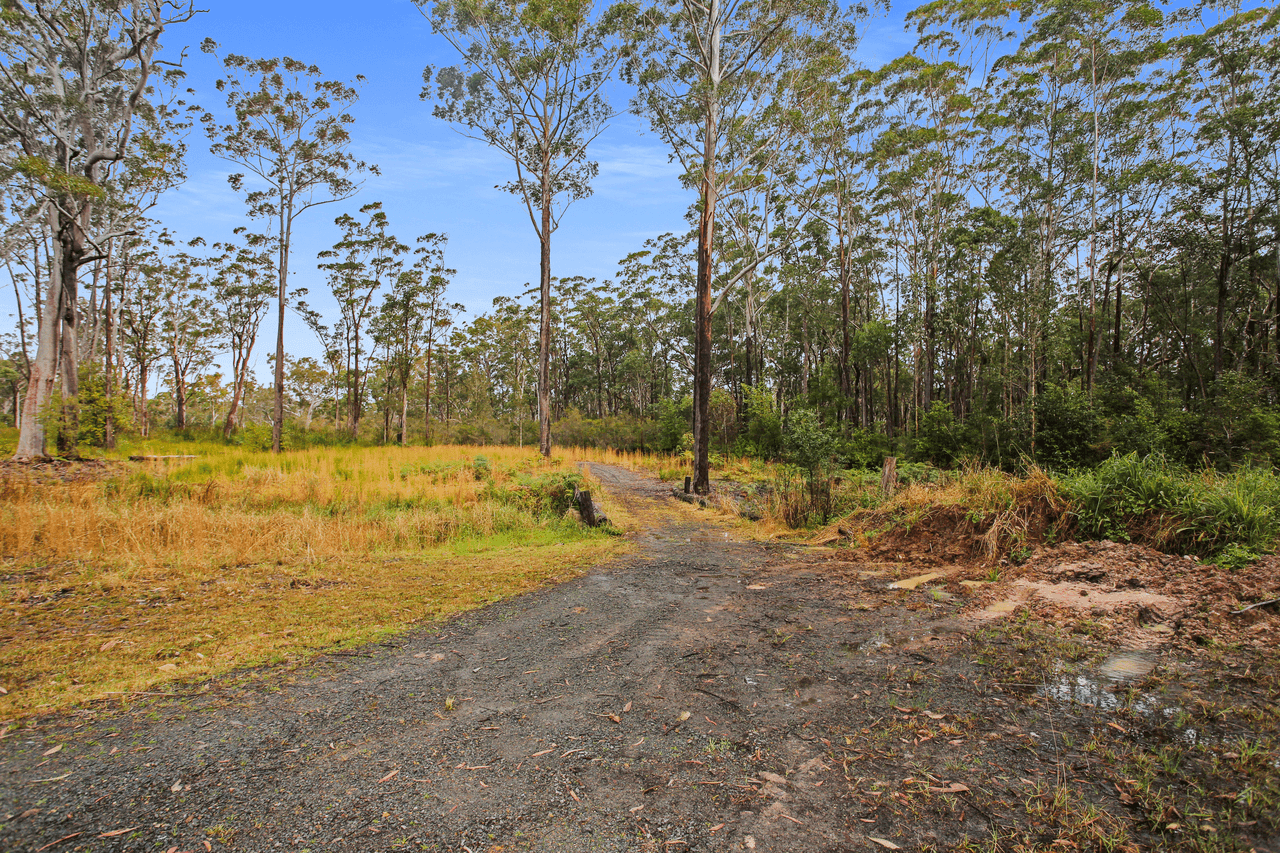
[(75, 76), (726, 84), (291, 136), (531, 84)]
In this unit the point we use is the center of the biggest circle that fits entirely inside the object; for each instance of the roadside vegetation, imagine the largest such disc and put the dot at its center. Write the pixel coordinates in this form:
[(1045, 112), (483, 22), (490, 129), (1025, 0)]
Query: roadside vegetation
[(1232, 517), (119, 576)]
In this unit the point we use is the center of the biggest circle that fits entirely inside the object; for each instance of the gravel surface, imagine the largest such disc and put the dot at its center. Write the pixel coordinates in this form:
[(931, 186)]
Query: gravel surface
[(703, 693)]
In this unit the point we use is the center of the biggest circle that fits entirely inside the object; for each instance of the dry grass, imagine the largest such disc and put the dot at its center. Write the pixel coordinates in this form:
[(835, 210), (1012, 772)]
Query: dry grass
[(186, 570), (1008, 509)]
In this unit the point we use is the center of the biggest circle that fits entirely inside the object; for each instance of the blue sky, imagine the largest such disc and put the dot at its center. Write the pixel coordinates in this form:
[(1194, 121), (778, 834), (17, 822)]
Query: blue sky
[(433, 179)]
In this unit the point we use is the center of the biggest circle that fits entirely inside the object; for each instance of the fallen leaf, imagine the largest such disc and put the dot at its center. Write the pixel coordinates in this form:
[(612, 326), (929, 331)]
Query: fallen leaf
[(420, 655), (3, 692), (953, 788), (208, 847), (28, 813), (635, 809), (615, 718), (389, 776), (684, 715), (713, 830), (113, 833), (757, 586), (887, 845), (575, 796), (626, 708), (934, 716), (108, 645), (48, 752), (169, 667), (177, 786), (59, 841)]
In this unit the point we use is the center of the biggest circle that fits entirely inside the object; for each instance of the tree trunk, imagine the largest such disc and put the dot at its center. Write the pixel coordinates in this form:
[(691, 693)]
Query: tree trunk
[(108, 368), (846, 385), (72, 244), (31, 433), (241, 368), (277, 423), (706, 236), (426, 407), (544, 325)]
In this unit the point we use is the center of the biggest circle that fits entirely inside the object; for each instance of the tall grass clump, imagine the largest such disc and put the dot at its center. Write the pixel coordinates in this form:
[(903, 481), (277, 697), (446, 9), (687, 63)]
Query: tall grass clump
[(247, 507), (182, 569), (1232, 518)]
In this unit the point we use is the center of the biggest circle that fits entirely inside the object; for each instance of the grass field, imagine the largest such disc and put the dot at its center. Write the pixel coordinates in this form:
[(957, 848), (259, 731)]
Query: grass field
[(178, 570)]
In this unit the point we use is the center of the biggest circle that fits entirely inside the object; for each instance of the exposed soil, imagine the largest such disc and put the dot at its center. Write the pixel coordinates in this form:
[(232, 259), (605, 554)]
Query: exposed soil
[(713, 693)]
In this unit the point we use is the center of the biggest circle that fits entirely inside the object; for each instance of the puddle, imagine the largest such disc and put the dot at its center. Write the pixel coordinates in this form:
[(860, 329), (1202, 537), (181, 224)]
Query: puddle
[(877, 641), (912, 583), (1106, 690), (1127, 666)]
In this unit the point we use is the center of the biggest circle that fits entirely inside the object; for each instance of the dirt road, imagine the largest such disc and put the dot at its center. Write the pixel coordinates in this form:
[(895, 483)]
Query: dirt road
[(703, 694)]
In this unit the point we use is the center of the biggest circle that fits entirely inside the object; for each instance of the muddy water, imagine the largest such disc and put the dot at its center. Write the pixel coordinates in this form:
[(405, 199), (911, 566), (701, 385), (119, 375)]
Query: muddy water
[(1107, 688)]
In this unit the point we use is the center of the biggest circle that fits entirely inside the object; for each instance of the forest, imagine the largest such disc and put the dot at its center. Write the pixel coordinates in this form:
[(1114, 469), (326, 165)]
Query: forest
[(1048, 233), (967, 360)]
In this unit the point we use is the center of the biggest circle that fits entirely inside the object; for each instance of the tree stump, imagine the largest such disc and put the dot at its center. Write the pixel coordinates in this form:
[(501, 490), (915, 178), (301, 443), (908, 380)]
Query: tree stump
[(587, 508), (889, 476)]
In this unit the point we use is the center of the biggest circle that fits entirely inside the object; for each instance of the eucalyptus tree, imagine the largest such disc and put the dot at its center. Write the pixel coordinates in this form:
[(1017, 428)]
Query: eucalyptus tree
[(75, 76), (726, 84), (309, 383), (291, 133), (242, 287), (531, 84), (412, 319), (365, 260), (142, 308), (1228, 65), (189, 324)]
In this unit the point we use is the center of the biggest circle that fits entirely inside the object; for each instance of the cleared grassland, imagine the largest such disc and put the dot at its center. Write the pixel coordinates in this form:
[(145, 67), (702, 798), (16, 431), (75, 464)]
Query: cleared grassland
[(185, 569)]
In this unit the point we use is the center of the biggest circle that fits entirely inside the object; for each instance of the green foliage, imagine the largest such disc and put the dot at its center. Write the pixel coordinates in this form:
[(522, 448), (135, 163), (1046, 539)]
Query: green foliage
[(1121, 490), (862, 449), (543, 495), (253, 436), (674, 420), (937, 441), (1234, 517), (762, 437), (1067, 427), (96, 408), (806, 442)]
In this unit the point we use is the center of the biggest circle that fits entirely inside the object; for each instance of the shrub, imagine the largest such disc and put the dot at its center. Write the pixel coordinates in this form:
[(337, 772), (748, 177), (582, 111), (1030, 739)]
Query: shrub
[(1232, 517), (806, 441), (937, 441)]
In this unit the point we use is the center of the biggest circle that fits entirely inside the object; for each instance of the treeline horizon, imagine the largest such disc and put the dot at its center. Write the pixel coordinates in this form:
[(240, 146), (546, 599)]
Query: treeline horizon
[(1047, 235)]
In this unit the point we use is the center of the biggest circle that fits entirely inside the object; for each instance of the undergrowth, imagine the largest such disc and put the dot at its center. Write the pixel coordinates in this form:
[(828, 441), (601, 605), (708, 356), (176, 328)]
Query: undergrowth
[(1229, 518), (1232, 518), (182, 569)]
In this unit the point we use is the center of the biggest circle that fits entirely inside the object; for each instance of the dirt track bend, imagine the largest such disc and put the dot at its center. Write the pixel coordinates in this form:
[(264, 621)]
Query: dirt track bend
[(655, 703)]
